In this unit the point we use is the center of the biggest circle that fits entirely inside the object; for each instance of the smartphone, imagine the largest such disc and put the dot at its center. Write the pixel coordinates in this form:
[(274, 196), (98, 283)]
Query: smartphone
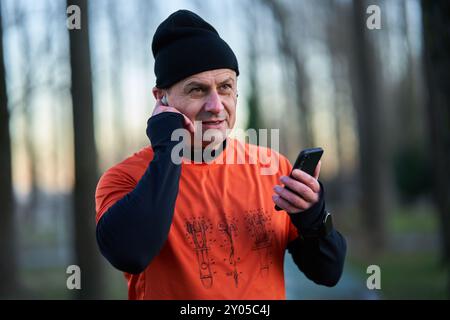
[(306, 161)]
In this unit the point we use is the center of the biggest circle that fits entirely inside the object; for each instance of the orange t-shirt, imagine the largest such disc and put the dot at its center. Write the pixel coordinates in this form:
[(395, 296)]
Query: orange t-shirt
[(226, 240)]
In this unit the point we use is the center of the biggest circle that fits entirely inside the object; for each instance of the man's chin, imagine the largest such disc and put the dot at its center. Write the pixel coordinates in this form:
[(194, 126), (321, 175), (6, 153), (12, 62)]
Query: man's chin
[(214, 137), (212, 144)]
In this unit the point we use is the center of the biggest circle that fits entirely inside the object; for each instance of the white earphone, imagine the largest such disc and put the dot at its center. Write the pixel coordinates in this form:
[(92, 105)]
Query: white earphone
[(164, 100)]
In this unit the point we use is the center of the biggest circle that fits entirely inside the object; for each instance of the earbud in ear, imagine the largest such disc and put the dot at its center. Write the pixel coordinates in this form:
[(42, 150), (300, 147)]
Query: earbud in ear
[(164, 100)]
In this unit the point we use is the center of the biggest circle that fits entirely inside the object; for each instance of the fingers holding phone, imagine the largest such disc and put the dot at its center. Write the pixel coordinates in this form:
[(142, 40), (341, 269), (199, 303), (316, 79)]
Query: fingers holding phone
[(306, 179), (317, 170), (301, 188), (295, 196)]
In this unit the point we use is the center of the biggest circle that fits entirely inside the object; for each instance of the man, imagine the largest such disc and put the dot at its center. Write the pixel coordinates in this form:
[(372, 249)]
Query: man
[(208, 229)]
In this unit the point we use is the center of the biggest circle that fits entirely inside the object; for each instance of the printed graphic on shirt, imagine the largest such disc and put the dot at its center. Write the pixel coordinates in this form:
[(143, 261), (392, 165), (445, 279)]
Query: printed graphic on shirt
[(203, 234), (258, 224), (197, 230), (229, 231)]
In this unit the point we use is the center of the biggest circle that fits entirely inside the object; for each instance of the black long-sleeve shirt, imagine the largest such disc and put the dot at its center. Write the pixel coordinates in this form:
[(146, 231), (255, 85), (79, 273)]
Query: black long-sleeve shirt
[(133, 230)]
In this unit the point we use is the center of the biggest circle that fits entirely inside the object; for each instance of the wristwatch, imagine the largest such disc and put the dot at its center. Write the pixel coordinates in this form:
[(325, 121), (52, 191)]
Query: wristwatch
[(324, 230)]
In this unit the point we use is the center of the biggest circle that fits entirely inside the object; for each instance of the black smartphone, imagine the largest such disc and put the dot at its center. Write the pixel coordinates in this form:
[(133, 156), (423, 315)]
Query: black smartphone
[(306, 161)]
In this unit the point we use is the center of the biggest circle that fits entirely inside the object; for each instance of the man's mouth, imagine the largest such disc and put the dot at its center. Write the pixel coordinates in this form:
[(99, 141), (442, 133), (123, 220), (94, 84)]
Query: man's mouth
[(213, 121), (213, 124)]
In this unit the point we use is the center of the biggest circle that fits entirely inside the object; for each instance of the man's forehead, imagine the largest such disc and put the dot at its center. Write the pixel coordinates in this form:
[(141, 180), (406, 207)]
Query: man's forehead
[(211, 76)]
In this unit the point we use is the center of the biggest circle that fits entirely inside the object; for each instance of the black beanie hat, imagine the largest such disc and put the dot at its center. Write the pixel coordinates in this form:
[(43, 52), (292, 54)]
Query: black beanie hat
[(184, 44)]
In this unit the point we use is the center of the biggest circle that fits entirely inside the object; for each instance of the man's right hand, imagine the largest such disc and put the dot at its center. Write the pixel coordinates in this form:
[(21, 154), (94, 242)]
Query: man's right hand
[(160, 108)]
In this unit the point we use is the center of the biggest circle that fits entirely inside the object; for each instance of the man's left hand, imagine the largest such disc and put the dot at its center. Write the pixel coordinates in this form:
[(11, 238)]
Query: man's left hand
[(305, 191)]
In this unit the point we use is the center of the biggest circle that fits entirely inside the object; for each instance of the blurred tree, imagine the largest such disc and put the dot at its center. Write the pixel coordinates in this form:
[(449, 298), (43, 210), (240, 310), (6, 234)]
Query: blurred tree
[(8, 250), (407, 145), (407, 94), (255, 120), (21, 20), (372, 164), (86, 174), (288, 45), (436, 46), (337, 45), (411, 172), (117, 62)]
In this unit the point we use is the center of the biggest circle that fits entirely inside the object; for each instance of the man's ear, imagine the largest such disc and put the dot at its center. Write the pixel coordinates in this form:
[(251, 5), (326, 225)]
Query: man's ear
[(158, 93)]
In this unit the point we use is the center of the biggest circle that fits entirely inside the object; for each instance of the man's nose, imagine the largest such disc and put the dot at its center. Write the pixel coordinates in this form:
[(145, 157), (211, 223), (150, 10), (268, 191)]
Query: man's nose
[(213, 103)]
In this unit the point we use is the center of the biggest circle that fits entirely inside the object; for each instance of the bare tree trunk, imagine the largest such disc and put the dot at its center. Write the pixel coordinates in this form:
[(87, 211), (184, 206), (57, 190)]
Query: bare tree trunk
[(408, 109), (32, 160), (8, 252), (336, 46), (27, 99), (117, 83), (255, 120), (370, 129), (436, 26), (288, 49), (86, 174)]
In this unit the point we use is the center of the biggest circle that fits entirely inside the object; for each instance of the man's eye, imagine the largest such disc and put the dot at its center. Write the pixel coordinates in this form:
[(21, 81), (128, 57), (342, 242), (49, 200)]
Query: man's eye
[(196, 90), (226, 87)]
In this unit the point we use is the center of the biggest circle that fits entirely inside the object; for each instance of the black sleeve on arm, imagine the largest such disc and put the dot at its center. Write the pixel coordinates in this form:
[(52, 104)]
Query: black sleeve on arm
[(321, 259), (133, 230)]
